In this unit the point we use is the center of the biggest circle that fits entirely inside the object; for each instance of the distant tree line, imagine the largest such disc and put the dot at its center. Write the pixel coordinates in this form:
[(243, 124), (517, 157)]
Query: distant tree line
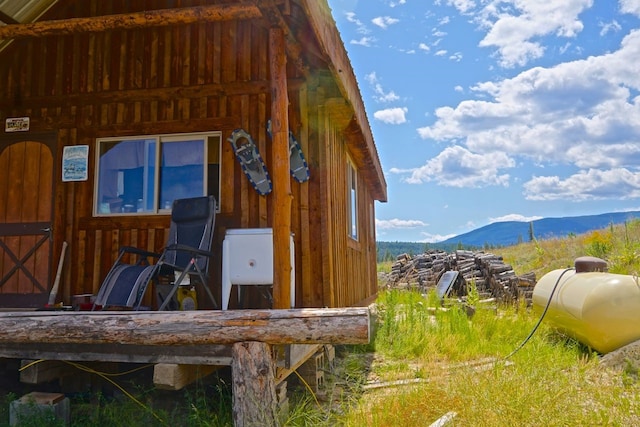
[(388, 251)]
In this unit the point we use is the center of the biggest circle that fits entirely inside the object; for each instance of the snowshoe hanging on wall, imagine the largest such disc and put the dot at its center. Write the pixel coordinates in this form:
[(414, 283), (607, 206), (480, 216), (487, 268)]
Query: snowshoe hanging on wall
[(252, 164), (297, 163)]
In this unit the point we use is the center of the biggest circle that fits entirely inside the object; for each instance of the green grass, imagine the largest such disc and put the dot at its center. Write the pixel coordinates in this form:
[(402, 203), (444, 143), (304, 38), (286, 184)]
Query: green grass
[(199, 406), (384, 266), (550, 381)]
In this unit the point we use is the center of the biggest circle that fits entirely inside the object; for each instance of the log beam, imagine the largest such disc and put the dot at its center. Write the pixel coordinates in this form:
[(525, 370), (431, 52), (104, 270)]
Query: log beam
[(153, 18), (282, 195), (162, 94), (186, 328)]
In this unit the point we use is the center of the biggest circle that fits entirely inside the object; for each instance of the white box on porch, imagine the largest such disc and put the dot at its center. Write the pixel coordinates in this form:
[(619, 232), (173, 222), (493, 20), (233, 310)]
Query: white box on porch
[(247, 259)]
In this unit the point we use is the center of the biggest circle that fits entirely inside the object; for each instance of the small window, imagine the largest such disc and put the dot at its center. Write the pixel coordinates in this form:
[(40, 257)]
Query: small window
[(146, 174), (352, 183)]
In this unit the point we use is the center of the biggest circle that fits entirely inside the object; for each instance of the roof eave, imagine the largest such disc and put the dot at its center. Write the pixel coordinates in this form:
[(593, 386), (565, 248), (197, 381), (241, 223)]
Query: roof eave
[(331, 43)]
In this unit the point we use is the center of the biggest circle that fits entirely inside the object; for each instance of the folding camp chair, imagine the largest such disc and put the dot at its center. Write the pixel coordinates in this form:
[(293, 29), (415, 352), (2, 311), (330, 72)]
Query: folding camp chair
[(185, 257)]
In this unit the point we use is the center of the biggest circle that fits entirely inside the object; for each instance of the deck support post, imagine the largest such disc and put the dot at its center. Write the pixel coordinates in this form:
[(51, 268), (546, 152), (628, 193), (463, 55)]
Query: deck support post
[(282, 196), (254, 386)]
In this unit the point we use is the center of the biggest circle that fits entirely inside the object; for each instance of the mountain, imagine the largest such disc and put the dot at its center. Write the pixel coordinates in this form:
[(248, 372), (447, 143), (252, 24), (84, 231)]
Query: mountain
[(511, 232)]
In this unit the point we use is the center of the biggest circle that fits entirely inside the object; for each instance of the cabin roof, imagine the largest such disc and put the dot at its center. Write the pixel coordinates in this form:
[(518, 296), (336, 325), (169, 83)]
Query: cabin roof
[(331, 47), (20, 12)]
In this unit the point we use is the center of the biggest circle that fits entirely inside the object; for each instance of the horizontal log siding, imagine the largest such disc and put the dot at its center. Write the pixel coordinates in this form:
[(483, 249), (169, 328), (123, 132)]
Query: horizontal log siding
[(188, 78)]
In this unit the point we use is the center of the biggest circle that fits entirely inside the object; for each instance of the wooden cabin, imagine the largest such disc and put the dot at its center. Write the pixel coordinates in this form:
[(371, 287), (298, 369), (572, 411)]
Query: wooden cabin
[(177, 77)]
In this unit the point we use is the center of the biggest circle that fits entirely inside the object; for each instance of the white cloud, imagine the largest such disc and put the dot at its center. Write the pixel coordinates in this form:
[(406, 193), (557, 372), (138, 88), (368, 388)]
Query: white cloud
[(514, 24), (457, 57), (441, 52), (381, 95), (630, 6), (392, 116), (399, 223), (584, 113), (516, 29), (463, 6), (364, 41), (458, 167), (387, 97), (361, 28), (612, 26), (384, 21), (435, 238), (615, 184), (424, 47), (514, 217)]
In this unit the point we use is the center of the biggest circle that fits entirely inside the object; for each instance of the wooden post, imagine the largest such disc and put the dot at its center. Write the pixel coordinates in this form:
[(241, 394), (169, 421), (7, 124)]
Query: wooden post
[(254, 387), (281, 180)]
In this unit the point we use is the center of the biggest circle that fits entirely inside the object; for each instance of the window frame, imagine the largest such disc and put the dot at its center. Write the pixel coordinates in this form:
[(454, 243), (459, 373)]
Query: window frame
[(159, 140), (353, 229)]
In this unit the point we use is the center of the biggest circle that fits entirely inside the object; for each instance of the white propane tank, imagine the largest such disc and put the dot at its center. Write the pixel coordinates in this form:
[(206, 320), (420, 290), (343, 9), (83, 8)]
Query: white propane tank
[(599, 309)]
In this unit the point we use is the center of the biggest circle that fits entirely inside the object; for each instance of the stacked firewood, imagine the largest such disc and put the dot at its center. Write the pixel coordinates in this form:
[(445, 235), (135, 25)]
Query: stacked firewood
[(422, 270), (493, 278)]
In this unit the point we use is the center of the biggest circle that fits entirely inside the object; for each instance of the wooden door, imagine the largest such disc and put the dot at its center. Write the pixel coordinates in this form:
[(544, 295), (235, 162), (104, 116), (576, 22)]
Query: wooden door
[(26, 213)]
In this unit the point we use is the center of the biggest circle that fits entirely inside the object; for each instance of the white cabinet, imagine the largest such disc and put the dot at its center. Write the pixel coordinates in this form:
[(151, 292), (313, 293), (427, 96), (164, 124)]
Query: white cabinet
[(247, 259)]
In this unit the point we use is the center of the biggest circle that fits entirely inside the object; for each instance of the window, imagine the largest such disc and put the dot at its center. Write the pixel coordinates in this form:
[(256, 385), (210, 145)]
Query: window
[(146, 174), (352, 203)]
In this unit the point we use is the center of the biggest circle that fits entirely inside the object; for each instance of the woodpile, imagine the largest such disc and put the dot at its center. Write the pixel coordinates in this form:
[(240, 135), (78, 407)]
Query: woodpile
[(493, 278)]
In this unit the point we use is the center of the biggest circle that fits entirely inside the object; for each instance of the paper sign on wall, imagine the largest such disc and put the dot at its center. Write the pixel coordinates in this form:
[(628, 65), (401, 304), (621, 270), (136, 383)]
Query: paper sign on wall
[(75, 162), (16, 124)]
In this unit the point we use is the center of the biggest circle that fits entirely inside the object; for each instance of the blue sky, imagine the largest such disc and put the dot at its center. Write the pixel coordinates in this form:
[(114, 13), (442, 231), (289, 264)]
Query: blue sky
[(494, 110)]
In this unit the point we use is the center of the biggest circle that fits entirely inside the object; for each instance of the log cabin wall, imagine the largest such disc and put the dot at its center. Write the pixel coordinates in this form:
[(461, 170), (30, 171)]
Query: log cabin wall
[(350, 263), (181, 79)]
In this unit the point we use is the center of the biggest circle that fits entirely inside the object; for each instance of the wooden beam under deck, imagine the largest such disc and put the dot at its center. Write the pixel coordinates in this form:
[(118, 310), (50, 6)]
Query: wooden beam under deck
[(187, 355)]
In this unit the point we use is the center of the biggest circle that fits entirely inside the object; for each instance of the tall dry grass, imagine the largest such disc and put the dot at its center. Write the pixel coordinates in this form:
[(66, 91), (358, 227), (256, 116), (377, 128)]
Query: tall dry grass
[(619, 245)]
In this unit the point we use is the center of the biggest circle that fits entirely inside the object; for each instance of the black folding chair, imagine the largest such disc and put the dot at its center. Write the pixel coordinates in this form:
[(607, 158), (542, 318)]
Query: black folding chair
[(185, 256)]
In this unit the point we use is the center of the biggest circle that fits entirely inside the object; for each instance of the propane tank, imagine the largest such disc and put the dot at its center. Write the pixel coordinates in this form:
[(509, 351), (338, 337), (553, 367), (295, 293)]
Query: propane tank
[(599, 309)]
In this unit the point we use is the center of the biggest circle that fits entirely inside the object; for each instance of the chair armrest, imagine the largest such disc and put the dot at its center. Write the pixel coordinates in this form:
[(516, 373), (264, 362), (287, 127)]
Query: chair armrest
[(138, 251), (190, 249)]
